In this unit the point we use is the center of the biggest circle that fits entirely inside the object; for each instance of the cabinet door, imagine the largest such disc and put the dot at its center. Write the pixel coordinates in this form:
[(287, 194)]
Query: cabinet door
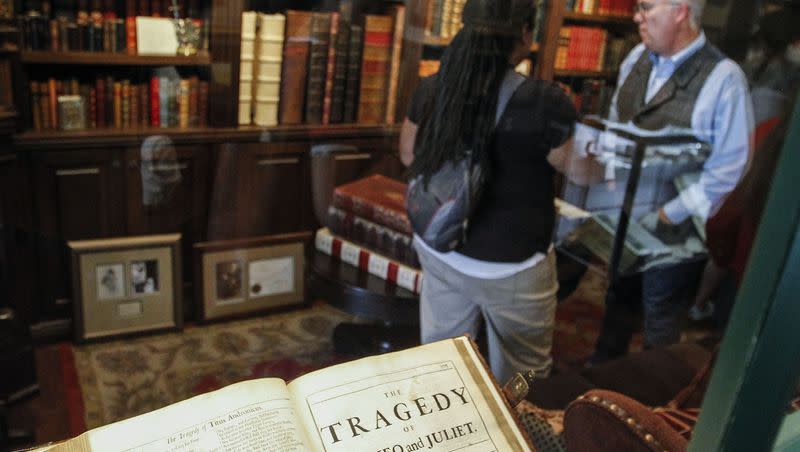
[(273, 188), (79, 195)]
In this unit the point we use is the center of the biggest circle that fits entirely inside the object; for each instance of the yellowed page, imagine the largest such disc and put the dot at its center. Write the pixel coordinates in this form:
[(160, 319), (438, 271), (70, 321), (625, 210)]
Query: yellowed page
[(251, 415), (437, 397)]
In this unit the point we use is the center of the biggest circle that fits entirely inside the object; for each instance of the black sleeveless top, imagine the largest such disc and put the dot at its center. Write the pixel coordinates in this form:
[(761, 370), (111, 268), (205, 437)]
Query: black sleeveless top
[(515, 216)]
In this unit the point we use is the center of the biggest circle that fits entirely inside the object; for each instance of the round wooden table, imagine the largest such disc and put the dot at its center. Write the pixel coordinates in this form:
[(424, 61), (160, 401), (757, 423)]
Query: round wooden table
[(391, 313)]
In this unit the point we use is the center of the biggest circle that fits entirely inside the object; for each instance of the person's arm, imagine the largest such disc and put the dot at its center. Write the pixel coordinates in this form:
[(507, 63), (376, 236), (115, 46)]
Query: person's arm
[(408, 135), (732, 127), (579, 169)]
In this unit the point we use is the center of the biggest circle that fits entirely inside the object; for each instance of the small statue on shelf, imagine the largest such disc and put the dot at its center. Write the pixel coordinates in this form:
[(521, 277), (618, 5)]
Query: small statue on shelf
[(187, 32)]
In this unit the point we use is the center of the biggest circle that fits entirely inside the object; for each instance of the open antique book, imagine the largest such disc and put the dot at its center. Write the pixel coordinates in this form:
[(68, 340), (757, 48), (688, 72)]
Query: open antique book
[(437, 397)]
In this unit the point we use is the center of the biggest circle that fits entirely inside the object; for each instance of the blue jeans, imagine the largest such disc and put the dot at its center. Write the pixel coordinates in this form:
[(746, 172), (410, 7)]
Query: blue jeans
[(661, 294)]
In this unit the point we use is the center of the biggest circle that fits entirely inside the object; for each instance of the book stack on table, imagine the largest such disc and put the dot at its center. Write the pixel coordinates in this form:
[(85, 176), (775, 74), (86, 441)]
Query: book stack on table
[(369, 229)]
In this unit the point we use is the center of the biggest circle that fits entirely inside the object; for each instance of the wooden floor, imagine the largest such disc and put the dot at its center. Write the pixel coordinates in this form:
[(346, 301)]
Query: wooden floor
[(43, 414)]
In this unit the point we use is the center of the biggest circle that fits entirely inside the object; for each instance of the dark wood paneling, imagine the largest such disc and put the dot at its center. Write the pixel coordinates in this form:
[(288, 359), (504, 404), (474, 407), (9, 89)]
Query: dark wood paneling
[(274, 188), (17, 263), (79, 195)]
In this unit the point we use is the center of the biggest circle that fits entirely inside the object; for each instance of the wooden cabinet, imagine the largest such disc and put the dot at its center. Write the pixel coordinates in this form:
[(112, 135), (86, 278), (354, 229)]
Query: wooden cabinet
[(17, 262), (78, 195)]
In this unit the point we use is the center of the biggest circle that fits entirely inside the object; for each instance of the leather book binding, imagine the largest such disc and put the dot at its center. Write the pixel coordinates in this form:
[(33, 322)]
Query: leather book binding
[(295, 66), (376, 198)]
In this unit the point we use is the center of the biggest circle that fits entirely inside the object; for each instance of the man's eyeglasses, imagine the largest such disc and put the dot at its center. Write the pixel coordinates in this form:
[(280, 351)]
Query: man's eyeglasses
[(644, 7)]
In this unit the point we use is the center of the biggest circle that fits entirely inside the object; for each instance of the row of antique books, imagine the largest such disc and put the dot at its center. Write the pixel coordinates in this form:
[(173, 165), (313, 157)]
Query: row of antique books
[(368, 228), (591, 48), (324, 70), (443, 18), (621, 8), (163, 101), (99, 29)]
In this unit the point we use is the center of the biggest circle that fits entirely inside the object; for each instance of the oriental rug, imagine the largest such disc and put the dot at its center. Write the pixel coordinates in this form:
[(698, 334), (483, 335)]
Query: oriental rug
[(123, 378), (115, 380)]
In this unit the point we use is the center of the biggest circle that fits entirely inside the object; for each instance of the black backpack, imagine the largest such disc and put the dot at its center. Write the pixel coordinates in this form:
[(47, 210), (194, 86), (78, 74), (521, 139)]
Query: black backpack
[(439, 212)]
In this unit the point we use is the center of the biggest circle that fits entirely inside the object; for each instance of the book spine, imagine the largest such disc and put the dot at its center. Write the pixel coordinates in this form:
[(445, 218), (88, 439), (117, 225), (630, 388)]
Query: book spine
[(126, 104), (317, 67), (294, 72), (193, 87), (354, 52), (93, 108), (44, 101), (329, 76), (36, 106), (366, 260), (183, 103), (52, 98), (100, 107), (163, 101), (130, 34), (374, 69), (133, 102), (118, 104), (399, 14), (382, 239), (379, 214), (340, 72), (144, 103), (202, 103), (155, 102)]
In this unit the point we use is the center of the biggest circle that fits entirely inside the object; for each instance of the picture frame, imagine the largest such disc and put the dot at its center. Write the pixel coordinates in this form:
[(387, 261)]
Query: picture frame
[(237, 278), (126, 286)]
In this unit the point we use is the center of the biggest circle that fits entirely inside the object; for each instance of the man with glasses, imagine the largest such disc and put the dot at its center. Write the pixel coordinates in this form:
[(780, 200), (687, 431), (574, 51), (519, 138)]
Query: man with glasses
[(675, 77)]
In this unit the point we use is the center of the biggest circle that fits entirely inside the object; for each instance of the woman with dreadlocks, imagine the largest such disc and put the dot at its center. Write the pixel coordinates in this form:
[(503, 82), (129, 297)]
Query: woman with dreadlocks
[(519, 130)]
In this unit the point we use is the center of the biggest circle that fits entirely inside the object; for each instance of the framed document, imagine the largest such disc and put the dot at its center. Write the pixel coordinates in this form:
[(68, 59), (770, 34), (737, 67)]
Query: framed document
[(241, 277), (126, 285)]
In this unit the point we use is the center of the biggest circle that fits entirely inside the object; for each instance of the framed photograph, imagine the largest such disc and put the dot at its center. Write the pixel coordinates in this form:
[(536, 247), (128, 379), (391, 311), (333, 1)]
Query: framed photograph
[(126, 285), (242, 277)]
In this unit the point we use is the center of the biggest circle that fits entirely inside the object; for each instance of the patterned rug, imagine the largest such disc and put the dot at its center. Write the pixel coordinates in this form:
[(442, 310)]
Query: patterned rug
[(119, 379), (124, 378)]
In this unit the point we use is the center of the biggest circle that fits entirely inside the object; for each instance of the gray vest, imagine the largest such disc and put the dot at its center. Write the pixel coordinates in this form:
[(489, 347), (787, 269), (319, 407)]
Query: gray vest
[(674, 102)]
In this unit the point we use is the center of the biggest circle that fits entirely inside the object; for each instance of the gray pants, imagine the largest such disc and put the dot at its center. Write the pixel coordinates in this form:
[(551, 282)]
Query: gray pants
[(519, 312)]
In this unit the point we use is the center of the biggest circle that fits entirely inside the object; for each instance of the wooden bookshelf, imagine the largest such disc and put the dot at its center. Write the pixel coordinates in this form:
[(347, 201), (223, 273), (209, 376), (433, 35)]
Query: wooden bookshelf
[(112, 59), (587, 74), (600, 19)]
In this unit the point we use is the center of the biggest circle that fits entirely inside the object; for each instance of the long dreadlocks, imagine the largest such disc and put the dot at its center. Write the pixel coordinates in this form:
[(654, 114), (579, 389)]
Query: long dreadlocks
[(461, 114)]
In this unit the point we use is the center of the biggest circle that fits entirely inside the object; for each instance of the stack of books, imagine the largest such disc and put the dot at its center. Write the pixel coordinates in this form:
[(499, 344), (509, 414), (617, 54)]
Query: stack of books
[(369, 228)]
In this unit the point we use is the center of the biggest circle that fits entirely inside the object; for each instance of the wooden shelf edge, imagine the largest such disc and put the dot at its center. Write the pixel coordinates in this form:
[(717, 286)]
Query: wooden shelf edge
[(598, 18), (588, 74), (112, 59), (435, 41), (101, 137)]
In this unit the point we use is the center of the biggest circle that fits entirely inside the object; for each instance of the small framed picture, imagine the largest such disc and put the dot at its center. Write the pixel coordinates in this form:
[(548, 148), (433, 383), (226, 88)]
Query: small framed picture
[(125, 286), (242, 277)]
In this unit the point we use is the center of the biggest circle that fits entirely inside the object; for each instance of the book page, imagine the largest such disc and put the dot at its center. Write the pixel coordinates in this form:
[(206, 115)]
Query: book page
[(436, 397), (251, 415)]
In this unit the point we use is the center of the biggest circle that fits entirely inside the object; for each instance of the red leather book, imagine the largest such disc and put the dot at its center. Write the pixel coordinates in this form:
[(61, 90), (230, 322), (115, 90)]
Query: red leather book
[(130, 34), (155, 103), (370, 261), (118, 104), (392, 244), (295, 66), (376, 198)]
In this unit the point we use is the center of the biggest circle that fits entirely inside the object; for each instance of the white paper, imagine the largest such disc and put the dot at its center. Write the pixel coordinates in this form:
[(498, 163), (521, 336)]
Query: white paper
[(155, 36)]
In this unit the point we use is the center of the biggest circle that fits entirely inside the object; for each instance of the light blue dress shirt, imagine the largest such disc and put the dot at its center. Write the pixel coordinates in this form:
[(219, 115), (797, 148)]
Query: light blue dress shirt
[(722, 116)]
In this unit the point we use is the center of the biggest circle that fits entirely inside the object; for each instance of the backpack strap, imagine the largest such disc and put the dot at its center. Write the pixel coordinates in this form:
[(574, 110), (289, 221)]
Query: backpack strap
[(508, 87)]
